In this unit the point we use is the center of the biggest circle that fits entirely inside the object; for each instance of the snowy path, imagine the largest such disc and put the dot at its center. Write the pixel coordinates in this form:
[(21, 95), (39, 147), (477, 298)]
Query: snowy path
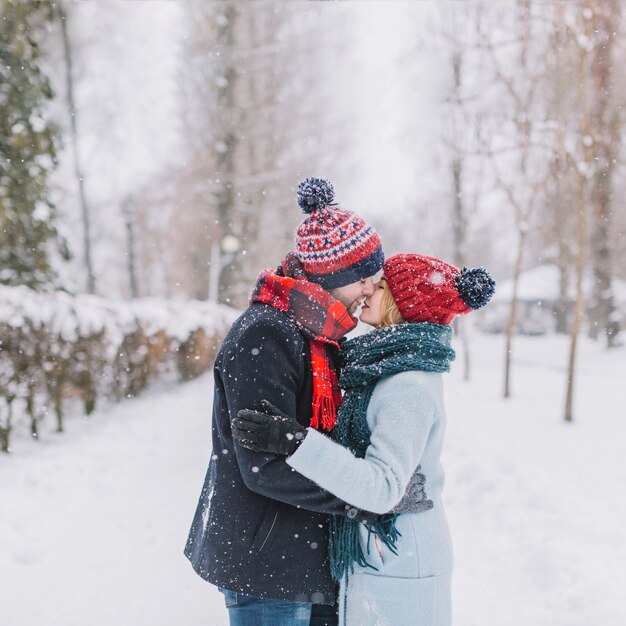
[(92, 523), (96, 522)]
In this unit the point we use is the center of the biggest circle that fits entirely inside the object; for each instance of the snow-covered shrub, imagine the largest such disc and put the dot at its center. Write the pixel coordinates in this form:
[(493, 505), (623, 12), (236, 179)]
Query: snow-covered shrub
[(196, 354), (55, 347)]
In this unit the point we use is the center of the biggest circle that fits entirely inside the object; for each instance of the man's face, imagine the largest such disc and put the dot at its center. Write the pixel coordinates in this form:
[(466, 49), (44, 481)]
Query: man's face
[(351, 295)]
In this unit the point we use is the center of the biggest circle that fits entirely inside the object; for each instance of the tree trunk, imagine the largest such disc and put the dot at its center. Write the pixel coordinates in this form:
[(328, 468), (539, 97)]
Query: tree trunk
[(30, 409), (226, 166), (606, 133), (562, 311), (80, 178), (459, 220), (4, 440), (587, 157), (580, 301), (5, 431), (510, 329), (127, 211), (459, 224), (57, 398)]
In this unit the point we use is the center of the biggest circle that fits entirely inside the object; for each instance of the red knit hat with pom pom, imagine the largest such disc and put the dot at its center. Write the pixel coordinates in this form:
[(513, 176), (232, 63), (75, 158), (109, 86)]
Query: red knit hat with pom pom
[(426, 289)]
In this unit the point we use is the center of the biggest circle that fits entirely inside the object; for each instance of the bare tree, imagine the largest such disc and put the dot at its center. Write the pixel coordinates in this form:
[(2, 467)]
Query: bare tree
[(128, 211), (78, 166), (589, 26), (605, 18), (517, 140), (231, 96), (247, 118), (584, 169), (456, 139)]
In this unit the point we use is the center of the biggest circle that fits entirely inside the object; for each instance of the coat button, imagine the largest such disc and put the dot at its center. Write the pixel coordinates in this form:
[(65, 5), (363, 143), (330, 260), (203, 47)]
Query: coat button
[(352, 512)]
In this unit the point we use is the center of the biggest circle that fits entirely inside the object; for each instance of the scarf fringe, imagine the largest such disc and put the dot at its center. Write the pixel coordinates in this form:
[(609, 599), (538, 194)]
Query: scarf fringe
[(387, 532), (344, 546), (324, 413)]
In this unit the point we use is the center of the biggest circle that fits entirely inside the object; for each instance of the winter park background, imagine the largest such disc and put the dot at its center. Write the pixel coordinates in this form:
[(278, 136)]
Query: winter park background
[(149, 154)]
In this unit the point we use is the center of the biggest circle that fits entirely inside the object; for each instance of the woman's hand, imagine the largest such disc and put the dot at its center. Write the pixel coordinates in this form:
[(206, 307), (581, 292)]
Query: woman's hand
[(268, 431)]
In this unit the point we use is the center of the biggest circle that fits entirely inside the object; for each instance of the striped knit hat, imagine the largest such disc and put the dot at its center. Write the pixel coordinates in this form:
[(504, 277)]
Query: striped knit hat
[(335, 246), (426, 289)]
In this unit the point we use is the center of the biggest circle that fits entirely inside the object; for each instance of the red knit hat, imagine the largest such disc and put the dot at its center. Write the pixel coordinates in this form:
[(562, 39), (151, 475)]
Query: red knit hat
[(426, 289), (335, 246)]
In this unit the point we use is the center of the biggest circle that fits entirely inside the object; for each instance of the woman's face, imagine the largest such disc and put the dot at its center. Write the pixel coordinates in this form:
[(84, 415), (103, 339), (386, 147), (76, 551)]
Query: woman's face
[(370, 311)]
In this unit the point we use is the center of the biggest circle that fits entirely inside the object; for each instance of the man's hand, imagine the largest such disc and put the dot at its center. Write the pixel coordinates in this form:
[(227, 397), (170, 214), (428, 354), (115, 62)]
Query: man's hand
[(270, 431)]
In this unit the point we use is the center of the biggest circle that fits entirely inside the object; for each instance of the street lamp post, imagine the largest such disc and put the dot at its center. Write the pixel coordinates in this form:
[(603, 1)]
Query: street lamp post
[(222, 253)]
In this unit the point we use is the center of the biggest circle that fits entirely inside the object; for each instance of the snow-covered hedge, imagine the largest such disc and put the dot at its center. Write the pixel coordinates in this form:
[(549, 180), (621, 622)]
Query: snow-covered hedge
[(54, 347)]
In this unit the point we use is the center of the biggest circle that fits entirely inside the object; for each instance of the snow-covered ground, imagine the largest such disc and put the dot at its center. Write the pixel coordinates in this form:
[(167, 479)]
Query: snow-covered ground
[(93, 522), (534, 503)]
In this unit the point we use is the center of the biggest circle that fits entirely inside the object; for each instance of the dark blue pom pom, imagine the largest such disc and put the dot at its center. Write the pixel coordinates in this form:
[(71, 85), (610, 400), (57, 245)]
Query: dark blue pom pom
[(475, 287), (315, 193)]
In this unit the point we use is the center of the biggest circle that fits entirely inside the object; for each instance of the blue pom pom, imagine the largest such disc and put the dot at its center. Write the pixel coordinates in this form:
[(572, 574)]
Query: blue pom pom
[(315, 193), (476, 287)]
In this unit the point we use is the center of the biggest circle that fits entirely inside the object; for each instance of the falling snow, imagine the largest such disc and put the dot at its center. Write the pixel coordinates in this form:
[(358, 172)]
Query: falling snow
[(118, 492)]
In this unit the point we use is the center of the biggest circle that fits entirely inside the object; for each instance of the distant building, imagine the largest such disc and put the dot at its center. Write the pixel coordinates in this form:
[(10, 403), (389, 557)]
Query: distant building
[(539, 302)]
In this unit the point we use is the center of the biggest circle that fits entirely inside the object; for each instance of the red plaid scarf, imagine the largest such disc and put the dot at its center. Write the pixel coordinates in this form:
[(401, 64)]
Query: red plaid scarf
[(321, 318)]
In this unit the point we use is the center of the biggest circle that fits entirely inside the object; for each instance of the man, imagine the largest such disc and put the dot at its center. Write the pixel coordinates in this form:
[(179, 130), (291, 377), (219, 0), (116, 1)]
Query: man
[(260, 529)]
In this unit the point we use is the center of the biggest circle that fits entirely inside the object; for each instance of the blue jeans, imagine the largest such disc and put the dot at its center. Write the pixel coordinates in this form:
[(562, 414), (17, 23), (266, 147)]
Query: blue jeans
[(246, 610)]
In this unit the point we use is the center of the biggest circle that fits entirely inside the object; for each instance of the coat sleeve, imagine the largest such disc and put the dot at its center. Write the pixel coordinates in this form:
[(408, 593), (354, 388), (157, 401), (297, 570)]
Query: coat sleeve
[(404, 413), (267, 363)]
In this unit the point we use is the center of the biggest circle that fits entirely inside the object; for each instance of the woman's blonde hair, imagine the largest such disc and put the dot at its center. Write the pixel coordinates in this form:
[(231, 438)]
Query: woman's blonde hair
[(389, 312)]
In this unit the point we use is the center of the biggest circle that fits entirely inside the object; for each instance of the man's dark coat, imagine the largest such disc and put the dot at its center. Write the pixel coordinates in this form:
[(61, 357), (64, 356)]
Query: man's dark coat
[(261, 528)]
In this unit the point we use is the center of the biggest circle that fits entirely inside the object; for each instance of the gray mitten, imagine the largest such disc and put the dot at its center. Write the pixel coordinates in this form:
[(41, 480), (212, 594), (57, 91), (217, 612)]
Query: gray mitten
[(414, 499)]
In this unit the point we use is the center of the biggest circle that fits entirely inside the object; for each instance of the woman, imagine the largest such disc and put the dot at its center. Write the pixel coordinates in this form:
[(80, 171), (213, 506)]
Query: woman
[(391, 422)]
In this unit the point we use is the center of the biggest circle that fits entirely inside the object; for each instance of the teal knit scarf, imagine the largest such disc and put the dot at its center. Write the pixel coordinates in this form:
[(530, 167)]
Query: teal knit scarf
[(365, 360)]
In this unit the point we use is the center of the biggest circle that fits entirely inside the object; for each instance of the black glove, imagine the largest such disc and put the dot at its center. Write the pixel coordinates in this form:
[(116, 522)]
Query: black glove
[(270, 431)]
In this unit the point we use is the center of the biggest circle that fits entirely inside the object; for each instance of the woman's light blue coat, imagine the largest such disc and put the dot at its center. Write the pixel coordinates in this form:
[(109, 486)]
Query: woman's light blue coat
[(407, 421)]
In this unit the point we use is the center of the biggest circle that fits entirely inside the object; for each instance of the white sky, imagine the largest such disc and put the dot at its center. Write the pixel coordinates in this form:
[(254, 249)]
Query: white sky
[(390, 83), (129, 100)]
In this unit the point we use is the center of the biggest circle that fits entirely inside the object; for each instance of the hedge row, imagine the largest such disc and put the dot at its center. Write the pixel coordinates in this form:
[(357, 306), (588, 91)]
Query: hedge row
[(55, 347)]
